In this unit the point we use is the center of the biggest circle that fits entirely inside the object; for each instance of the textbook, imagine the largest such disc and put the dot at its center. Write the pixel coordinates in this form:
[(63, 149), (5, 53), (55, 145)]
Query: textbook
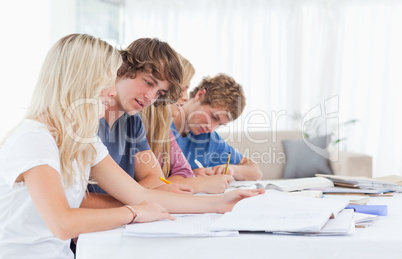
[(279, 212), (286, 185), (384, 184)]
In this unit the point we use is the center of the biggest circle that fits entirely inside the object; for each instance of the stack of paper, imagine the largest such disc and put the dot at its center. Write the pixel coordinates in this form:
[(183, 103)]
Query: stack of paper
[(274, 212), (286, 185), (384, 184), (278, 212), (363, 220), (341, 225), (193, 225)]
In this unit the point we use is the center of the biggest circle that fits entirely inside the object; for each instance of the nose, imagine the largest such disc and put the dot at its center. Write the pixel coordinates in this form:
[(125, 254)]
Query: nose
[(112, 93), (151, 94), (184, 97)]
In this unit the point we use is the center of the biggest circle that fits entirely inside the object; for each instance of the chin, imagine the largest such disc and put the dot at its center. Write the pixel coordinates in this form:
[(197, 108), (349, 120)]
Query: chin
[(174, 114), (195, 132), (132, 112)]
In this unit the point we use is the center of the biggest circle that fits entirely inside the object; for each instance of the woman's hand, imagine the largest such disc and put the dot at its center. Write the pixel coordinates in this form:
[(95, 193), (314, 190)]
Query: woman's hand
[(150, 211), (231, 198), (176, 188), (203, 172), (214, 183)]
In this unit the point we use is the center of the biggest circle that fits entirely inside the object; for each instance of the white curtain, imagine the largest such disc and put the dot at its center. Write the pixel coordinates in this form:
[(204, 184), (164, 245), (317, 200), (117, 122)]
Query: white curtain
[(342, 57)]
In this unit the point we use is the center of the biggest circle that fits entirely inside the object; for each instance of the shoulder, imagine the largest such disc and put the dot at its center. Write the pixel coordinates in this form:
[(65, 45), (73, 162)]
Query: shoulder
[(133, 118), (31, 133), (30, 145)]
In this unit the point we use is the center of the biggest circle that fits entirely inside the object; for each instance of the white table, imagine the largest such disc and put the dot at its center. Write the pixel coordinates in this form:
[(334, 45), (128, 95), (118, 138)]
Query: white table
[(381, 240)]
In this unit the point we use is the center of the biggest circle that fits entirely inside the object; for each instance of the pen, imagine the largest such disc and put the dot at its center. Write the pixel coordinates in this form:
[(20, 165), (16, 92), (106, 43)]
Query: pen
[(164, 180), (198, 163), (227, 164)]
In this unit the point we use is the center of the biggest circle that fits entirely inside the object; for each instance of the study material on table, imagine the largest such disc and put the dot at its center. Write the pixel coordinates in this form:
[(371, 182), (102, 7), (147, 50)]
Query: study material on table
[(354, 191), (279, 212), (389, 183), (287, 185), (343, 224), (380, 210), (185, 225), (363, 220), (348, 191), (353, 199)]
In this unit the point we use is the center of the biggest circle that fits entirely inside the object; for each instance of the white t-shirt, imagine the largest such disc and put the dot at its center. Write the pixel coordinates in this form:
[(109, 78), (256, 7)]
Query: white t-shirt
[(23, 233)]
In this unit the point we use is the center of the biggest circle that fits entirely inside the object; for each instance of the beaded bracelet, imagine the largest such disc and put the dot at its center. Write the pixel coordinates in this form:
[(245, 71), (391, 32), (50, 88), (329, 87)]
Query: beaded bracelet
[(132, 211)]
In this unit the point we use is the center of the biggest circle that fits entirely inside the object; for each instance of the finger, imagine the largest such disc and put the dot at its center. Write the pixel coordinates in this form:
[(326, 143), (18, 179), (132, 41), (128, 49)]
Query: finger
[(209, 172), (229, 178), (218, 170), (169, 216), (187, 188), (230, 171), (185, 192), (251, 193)]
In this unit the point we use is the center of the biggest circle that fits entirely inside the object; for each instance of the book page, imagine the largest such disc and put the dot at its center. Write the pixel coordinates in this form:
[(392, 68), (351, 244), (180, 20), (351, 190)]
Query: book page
[(299, 184), (278, 201), (292, 221), (184, 225), (277, 211)]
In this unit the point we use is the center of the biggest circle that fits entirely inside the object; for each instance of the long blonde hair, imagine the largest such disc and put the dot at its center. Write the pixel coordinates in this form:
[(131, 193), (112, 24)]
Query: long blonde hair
[(74, 73), (157, 121)]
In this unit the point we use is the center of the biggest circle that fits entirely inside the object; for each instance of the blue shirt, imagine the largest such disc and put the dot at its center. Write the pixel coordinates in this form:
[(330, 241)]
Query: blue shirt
[(126, 138), (208, 148)]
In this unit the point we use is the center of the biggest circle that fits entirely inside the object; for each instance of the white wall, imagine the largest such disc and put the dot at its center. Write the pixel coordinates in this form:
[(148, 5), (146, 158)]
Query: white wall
[(29, 28)]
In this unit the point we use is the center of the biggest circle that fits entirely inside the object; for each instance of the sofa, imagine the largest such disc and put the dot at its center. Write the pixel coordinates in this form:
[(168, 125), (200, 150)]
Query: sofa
[(267, 150)]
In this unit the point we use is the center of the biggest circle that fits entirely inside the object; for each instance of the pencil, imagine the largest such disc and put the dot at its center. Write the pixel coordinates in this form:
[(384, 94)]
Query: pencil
[(227, 164), (164, 180)]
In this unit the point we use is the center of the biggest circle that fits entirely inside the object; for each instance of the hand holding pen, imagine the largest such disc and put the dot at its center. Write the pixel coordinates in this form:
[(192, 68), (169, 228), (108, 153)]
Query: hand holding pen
[(201, 170)]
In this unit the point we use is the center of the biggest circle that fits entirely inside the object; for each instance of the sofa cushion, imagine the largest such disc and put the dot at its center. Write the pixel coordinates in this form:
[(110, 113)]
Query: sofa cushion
[(305, 159), (265, 148)]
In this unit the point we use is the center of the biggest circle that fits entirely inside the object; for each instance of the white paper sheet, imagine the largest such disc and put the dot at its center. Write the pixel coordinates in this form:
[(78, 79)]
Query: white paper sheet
[(184, 225)]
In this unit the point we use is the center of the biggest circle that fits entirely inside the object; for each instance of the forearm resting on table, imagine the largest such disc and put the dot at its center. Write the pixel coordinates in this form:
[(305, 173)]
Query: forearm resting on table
[(247, 170), (100, 200), (193, 182), (207, 184)]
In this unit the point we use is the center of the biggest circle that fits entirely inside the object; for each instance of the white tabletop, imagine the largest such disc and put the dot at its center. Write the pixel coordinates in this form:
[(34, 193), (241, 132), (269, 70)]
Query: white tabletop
[(383, 239)]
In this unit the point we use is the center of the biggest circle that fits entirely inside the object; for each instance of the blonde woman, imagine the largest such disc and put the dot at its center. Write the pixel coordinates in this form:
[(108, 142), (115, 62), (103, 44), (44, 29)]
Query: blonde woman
[(175, 167), (47, 161)]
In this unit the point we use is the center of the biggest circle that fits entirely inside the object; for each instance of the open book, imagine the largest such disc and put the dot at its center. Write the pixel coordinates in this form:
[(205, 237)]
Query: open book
[(287, 185), (279, 212)]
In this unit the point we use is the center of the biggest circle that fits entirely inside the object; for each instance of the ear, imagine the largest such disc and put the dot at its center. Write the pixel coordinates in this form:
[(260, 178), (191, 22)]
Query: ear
[(200, 94)]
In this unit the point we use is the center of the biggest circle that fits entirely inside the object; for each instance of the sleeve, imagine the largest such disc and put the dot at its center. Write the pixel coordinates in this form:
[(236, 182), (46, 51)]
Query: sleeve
[(140, 134), (219, 151), (178, 163), (101, 151), (27, 150)]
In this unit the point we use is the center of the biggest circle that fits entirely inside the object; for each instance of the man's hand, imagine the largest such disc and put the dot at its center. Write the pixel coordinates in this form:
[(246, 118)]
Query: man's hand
[(176, 188)]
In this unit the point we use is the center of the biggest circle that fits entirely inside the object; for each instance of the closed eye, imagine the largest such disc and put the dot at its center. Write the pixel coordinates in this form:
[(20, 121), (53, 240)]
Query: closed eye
[(162, 92), (148, 83)]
